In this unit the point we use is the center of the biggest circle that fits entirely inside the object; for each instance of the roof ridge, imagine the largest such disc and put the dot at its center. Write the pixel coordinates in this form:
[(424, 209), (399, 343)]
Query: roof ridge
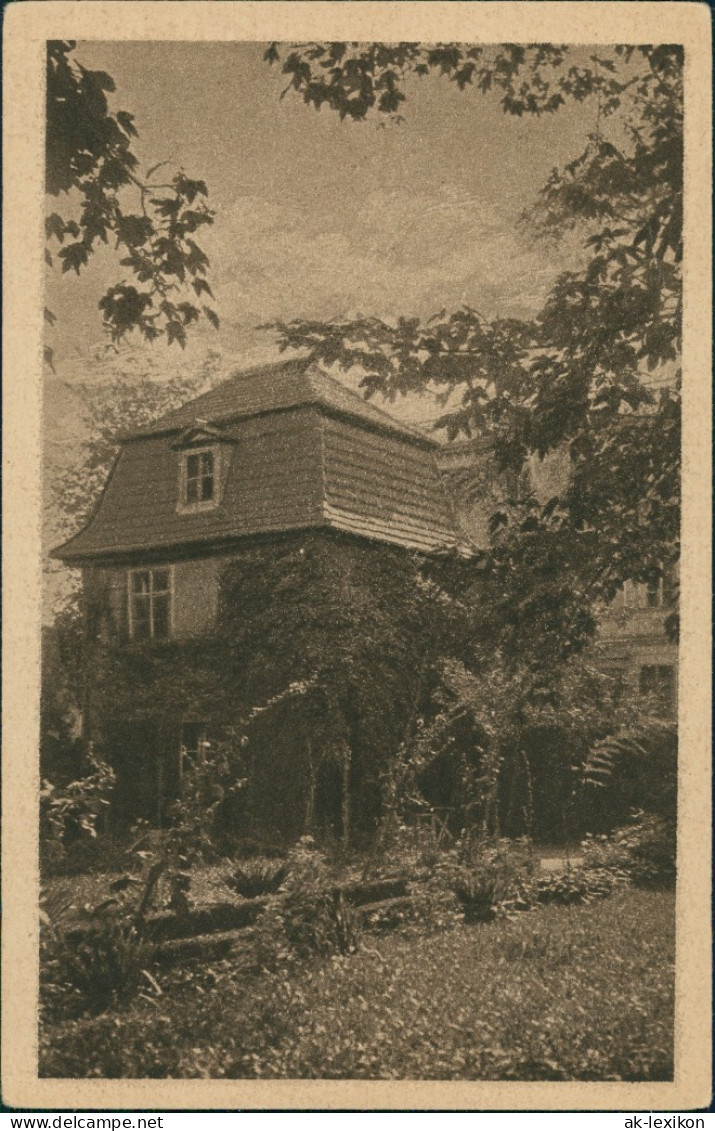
[(358, 397), (289, 383), (365, 403), (235, 377), (252, 370)]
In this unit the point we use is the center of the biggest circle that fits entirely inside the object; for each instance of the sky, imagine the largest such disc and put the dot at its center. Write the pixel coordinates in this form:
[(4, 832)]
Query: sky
[(315, 218), (318, 218)]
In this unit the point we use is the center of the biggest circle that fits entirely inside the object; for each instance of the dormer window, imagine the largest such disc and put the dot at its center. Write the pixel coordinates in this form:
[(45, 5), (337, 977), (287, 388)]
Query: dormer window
[(203, 453), (199, 477)]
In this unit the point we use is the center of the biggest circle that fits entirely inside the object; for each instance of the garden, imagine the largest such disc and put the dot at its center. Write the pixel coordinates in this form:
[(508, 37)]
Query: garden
[(435, 834), (428, 957), (487, 893)]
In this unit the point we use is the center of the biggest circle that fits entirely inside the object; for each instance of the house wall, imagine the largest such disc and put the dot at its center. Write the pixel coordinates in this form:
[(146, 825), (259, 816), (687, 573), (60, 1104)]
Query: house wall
[(195, 589), (632, 636), (346, 596)]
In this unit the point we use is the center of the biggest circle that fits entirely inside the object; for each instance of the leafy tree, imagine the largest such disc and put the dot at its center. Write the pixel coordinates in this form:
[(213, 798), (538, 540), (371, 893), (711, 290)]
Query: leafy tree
[(595, 371), (90, 163)]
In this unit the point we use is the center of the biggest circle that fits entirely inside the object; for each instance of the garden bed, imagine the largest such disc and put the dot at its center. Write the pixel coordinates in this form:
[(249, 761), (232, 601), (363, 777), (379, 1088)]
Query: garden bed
[(563, 993)]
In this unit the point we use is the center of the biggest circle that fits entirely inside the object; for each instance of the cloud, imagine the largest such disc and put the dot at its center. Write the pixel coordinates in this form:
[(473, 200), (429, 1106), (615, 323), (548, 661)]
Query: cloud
[(401, 252)]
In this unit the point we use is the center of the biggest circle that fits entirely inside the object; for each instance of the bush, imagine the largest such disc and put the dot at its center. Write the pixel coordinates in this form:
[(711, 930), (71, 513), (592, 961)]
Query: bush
[(257, 877), (69, 816), (642, 854), (645, 850), (635, 769), (494, 877), (322, 923), (107, 965), (578, 884), (413, 849), (310, 915), (478, 894), (93, 967)]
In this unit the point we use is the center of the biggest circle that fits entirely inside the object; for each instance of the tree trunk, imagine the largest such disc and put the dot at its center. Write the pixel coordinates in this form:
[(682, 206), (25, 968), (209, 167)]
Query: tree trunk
[(529, 798), (310, 800), (345, 796)]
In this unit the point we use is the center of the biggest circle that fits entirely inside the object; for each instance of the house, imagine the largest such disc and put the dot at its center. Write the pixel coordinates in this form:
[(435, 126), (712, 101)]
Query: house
[(634, 640), (275, 459), (283, 464)]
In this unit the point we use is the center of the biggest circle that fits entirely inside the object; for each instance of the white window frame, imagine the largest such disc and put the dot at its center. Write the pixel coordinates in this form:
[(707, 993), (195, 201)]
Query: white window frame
[(185, 507), (660, 592), (130, 607), (635, 595)]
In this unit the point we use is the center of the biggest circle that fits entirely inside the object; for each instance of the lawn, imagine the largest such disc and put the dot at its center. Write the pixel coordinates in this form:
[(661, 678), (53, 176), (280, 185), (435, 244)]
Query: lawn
[(560, 993)]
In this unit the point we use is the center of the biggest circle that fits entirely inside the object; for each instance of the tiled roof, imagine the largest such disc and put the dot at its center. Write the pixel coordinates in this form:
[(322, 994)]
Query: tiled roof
[(305, 453), (271, 388)]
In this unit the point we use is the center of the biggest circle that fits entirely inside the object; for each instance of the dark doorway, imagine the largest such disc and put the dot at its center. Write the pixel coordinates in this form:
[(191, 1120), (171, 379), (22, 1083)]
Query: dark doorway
[(328, 813), (148, 780)]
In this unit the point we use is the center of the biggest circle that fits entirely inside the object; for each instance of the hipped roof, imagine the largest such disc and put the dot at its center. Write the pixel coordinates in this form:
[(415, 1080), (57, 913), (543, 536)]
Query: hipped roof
[(274, 388), (305, 453)]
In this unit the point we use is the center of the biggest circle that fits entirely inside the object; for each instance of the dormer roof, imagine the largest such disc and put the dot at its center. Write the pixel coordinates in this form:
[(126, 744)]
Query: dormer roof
[(200, 434)]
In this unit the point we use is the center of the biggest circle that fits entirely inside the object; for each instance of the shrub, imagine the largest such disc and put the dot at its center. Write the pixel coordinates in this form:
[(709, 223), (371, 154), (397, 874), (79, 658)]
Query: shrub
[(69, 815), (645, 850), (642, 853), (257, 877), (578, 884), (634, 769), (310, 915), (412, 849), (106, 965), (478, 894), (494, 877), (322, 922)]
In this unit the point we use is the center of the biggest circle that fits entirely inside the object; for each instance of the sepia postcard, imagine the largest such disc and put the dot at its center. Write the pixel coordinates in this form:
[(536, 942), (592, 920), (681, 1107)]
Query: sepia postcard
[(357, 388)]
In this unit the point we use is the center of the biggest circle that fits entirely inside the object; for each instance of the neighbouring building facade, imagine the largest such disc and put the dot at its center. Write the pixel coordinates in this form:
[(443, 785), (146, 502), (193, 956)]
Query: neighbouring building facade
[(634, 640)]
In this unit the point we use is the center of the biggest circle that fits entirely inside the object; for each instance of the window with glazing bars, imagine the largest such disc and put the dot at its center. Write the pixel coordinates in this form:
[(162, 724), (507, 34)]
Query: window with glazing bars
[(149, 604), (199, 477)]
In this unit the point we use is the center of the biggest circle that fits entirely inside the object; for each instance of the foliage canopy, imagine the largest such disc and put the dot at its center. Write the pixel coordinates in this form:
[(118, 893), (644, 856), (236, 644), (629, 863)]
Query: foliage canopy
[(595, 371), (89, 163)]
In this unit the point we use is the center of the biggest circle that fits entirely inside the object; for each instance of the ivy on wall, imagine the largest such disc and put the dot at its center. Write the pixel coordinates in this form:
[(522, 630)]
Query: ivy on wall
[(323, 660)]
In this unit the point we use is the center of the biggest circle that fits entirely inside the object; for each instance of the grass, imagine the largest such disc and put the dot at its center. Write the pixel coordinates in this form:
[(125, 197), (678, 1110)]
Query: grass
[(562, 993)]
